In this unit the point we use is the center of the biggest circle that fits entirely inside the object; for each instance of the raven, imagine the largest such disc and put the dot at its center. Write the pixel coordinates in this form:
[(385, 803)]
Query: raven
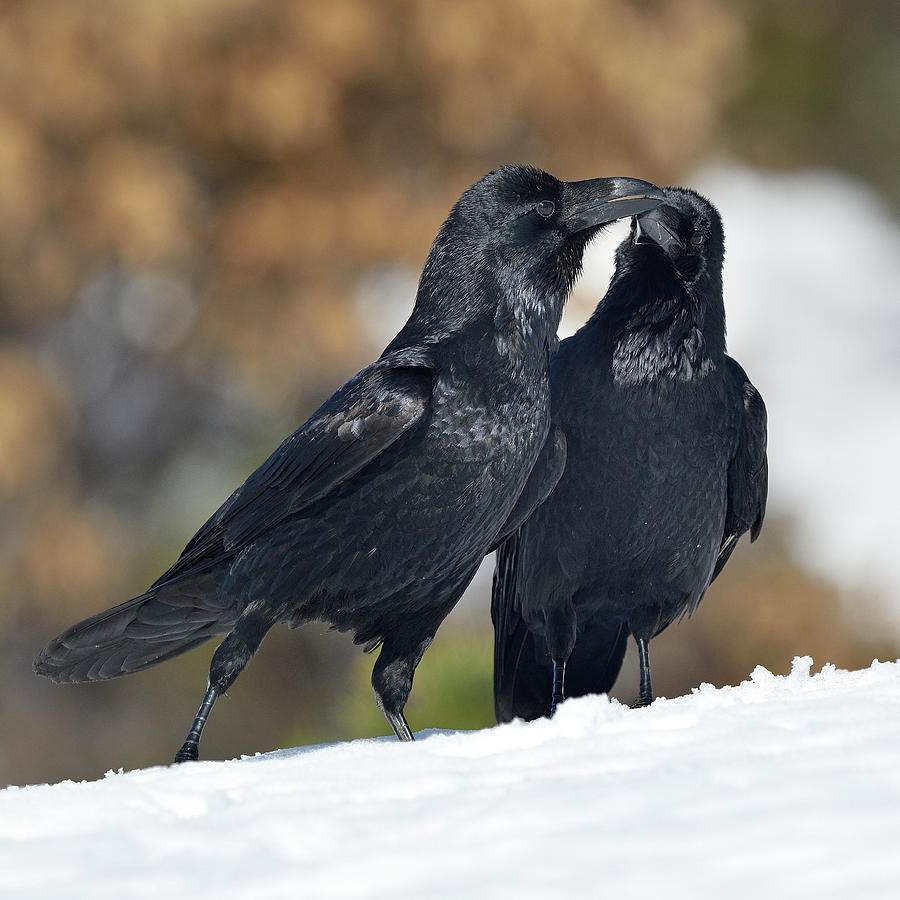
[(666, 468), (374, 515)]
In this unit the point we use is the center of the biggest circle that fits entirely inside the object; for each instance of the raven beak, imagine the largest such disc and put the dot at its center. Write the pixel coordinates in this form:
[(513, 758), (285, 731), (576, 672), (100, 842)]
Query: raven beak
[(654, 227), (599, 201)]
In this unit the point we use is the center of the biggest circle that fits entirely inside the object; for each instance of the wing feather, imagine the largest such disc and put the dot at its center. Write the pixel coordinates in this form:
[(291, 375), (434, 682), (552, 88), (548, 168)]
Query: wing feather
[(353, 427), (748, 471)]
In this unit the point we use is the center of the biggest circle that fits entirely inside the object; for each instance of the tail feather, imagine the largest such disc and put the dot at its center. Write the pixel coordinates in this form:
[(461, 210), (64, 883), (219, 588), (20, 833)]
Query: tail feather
[(508, 702), (524, 688), (166, 621), (597, 658)]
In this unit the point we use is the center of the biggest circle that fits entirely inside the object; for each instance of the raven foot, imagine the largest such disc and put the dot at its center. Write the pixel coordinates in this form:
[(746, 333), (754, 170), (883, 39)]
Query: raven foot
[(401, 727), (190, 749)]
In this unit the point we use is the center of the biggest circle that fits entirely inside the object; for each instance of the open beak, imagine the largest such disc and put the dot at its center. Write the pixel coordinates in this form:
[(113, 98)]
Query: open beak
[(599, 201), (659, 226)]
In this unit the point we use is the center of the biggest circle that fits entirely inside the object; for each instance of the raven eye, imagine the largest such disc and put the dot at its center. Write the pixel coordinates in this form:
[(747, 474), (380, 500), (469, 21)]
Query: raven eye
[(545, 209), (696, 239)]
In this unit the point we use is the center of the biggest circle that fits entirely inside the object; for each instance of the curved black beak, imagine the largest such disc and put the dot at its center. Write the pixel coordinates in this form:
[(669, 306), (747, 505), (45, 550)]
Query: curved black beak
[(599, 201), (659, 226)]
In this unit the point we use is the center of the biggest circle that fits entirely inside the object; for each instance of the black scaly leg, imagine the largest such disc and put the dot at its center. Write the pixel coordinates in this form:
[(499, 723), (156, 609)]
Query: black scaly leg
[(559, 685), (646, 697), (392, 679), (559, 632), (229, 660), (190, 749), (392, 674), (401, 727)]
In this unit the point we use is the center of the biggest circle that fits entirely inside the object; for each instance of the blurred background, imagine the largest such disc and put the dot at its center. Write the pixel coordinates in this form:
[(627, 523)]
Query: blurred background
[(213, 213)]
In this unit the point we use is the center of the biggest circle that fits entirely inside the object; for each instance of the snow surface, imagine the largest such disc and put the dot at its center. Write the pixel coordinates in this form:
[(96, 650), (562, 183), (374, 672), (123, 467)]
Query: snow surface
[(786, 786)]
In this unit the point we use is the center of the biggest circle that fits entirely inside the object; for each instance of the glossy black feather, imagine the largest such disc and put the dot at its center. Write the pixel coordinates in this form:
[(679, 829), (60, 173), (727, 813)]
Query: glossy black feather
[(186, 605), (666, 469), (544, 477)]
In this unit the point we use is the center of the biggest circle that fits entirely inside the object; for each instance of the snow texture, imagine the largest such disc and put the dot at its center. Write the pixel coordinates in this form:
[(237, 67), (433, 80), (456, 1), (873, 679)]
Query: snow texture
[(812, 294), (786, 786)]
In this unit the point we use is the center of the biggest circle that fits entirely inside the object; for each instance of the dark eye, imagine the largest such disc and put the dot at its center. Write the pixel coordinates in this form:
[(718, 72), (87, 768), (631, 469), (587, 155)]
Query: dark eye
[(545, 209), (697, 239)]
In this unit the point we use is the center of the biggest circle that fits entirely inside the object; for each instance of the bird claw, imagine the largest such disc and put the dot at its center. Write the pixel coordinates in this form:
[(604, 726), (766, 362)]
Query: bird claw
[(188, 752), (400, 726)]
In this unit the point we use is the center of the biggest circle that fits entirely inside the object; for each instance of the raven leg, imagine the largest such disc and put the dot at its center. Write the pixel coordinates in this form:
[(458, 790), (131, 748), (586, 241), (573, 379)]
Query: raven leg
[(559, 630), (398, 722), (229, 660), (646, 697), (190, 749), (559, 685), (392, 679), (403, 648)]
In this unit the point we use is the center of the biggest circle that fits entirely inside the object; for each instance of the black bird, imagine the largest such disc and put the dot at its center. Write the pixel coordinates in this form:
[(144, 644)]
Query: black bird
[(666, 469), (374, 515)]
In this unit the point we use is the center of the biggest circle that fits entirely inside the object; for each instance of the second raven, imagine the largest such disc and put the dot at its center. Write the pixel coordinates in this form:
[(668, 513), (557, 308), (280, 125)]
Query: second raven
[(374, 515), (666, 469)]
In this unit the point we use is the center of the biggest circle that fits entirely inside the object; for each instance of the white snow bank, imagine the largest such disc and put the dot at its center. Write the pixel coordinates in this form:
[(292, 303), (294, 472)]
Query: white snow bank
[(785, 786), (812, 294)]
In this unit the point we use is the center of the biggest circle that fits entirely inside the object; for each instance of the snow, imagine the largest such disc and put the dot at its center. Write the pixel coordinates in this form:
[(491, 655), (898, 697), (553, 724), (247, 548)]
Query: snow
[(782, 786), (812, 295)]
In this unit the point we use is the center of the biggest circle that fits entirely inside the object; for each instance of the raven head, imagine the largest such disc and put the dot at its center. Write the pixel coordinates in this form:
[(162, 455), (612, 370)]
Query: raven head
[(667, 285), (687, 231), (512, 246), (528, 220)]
